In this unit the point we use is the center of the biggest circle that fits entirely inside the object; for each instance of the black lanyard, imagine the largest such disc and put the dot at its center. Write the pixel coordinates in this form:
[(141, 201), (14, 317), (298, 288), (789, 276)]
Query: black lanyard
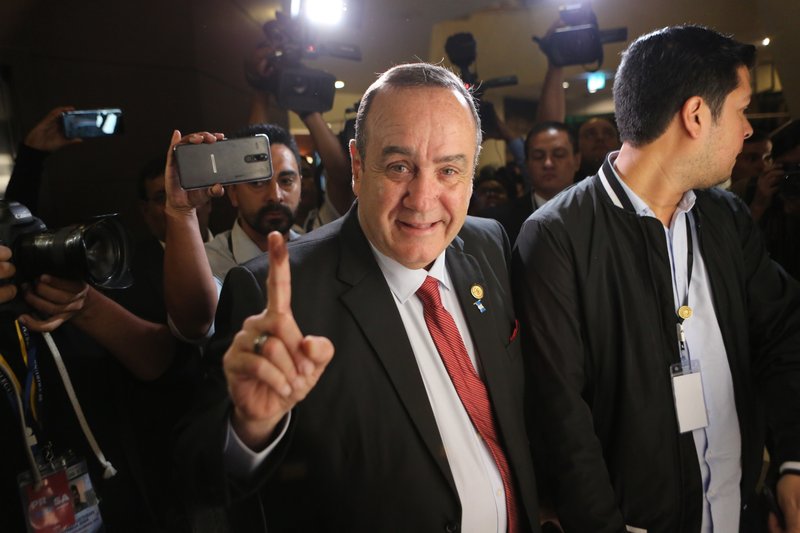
[(684, 311)]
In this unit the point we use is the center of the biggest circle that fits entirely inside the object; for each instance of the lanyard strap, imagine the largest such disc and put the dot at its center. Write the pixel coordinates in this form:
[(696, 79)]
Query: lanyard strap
[(684, 311)]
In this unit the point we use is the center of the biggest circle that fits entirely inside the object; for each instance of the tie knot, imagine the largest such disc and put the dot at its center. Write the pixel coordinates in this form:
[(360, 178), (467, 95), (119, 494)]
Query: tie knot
[(429, 293)]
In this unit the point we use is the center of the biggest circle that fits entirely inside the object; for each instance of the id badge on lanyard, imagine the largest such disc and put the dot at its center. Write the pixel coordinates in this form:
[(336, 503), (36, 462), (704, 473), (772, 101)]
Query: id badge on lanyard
[(64, 501), (687, 380)]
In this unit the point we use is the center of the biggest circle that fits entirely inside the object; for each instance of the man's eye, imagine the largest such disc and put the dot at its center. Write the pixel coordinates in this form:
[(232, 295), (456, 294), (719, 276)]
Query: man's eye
[(398, 168)]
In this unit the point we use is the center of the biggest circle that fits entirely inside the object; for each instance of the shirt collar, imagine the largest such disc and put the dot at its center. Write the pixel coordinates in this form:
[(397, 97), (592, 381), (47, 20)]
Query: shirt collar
[(244, 249), (640, 206), (404, 282)]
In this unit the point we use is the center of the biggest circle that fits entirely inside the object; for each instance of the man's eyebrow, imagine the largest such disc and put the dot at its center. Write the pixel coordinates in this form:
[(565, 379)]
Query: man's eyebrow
[(394, 149), (403, 150), (287, 172), (455, 158)]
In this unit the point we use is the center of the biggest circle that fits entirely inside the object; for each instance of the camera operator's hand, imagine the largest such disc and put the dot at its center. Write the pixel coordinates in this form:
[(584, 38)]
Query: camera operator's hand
[(258, 67), (48, 134), (265, 386), (7, 270), (180, 201), (55, 299), (766, 187)]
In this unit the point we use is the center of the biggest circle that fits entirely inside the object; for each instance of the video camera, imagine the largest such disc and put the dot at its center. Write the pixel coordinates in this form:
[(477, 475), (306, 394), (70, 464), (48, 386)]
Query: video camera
[(580, 41), (96, 252), (295, 86), (461, 50)]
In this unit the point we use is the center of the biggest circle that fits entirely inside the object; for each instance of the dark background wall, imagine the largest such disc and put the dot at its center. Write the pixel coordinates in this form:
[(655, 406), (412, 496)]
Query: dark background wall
[(167, 64)]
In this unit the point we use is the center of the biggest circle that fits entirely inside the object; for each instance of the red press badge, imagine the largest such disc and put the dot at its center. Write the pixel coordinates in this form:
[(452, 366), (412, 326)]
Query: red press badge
[(49, 508), (66, 501)]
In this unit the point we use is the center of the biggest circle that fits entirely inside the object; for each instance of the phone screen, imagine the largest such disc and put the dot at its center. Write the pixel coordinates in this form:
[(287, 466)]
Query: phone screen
[(88, 123)]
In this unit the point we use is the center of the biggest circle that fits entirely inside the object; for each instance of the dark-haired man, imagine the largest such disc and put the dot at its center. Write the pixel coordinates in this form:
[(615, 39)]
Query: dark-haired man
[(663, 338), (191, 281), (552, 159), (416, 424)]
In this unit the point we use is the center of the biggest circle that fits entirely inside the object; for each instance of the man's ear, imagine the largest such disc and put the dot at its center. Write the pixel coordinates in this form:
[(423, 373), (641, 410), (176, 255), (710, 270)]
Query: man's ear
[(694, 116), (356, 166), (232, 191)]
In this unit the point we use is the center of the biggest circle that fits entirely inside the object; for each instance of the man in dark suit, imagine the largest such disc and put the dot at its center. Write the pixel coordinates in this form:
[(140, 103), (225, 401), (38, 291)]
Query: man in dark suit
[(386, 437), (552, 158)]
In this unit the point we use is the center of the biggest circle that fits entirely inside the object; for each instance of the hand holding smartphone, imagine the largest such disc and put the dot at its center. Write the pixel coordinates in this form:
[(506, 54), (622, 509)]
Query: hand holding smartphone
[(227, 161)]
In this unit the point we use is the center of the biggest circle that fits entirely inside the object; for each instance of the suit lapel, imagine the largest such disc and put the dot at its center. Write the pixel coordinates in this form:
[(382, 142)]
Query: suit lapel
[(370, 302), (489, 346)]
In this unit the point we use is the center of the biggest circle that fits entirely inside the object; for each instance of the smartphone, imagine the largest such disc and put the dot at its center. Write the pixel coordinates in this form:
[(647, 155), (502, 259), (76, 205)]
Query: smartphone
[(88, 123), (227, 161)]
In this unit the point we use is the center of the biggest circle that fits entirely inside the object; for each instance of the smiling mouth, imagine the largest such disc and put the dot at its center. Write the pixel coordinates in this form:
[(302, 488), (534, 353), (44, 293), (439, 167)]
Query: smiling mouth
[(417, 226)]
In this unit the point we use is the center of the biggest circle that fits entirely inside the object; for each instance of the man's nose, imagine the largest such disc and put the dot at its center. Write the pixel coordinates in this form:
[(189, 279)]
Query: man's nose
[(272, 192), (423, 189)]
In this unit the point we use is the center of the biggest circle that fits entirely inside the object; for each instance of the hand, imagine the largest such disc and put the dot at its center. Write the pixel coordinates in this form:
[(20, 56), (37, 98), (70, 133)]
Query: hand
[(56, 299), (178, 199), (48, 134), (7, 270), (265, 386), (788, 495), (767, 185), (257, 67)]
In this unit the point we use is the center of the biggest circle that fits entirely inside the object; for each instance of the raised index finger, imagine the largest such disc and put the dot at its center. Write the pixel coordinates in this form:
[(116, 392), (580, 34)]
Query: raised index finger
[(279, 279)]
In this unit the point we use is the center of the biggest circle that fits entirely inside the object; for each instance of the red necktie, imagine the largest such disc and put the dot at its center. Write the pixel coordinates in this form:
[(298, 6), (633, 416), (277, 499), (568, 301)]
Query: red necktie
[(468, 384)]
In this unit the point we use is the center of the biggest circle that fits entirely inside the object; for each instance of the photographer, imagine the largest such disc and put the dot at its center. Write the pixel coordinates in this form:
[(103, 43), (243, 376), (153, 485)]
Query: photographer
[(261, 70), (141, 349), (775, 203), (122, 366), (45, 138)]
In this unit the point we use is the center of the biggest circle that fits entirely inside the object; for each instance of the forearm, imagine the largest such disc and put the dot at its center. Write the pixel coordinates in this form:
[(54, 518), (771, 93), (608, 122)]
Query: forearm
[(26, 178), (552, 102), (146, 349), (190, 292), (336, 162)]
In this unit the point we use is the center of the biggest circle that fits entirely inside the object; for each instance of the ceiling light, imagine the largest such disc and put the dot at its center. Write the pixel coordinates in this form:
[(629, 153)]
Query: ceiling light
[(339, 84), (765, 41), (565, 85)]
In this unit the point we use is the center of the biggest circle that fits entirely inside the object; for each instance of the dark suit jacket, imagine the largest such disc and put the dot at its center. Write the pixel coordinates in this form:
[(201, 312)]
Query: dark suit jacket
[(363, 452)]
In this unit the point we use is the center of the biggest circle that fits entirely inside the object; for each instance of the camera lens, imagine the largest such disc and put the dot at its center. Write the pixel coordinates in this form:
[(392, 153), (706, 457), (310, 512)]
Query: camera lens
[(95, 252)]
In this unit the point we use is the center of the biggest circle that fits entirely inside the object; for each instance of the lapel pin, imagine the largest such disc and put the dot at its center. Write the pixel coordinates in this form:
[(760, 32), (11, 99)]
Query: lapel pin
[(480, 306), (476, 291)]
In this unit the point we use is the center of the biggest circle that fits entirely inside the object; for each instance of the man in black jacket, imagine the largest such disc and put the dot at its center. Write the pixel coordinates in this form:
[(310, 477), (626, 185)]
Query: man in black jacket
[(663, 339)]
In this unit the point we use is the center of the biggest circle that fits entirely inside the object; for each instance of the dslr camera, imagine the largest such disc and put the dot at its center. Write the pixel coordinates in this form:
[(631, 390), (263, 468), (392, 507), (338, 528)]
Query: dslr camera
[(96, 252)]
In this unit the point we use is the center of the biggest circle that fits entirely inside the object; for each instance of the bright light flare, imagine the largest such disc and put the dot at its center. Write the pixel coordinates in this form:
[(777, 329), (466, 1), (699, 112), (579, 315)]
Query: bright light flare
[(765, 41), (328, 12), (339, 84)]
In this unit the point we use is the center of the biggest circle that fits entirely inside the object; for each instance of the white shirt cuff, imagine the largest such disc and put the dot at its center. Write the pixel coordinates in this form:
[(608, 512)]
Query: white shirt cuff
[(240, 460), (790, 465)]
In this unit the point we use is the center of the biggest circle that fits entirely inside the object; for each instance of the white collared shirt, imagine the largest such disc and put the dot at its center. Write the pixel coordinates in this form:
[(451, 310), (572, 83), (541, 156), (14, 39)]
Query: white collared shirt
[(477, 478)]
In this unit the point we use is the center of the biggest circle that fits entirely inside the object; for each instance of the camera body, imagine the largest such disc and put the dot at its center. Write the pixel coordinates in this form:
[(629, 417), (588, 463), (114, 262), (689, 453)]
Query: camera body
[(97, 252)]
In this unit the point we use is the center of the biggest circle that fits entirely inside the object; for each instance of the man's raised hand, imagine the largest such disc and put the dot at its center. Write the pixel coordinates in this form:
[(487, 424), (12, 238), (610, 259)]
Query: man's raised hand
[(265, 386)]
